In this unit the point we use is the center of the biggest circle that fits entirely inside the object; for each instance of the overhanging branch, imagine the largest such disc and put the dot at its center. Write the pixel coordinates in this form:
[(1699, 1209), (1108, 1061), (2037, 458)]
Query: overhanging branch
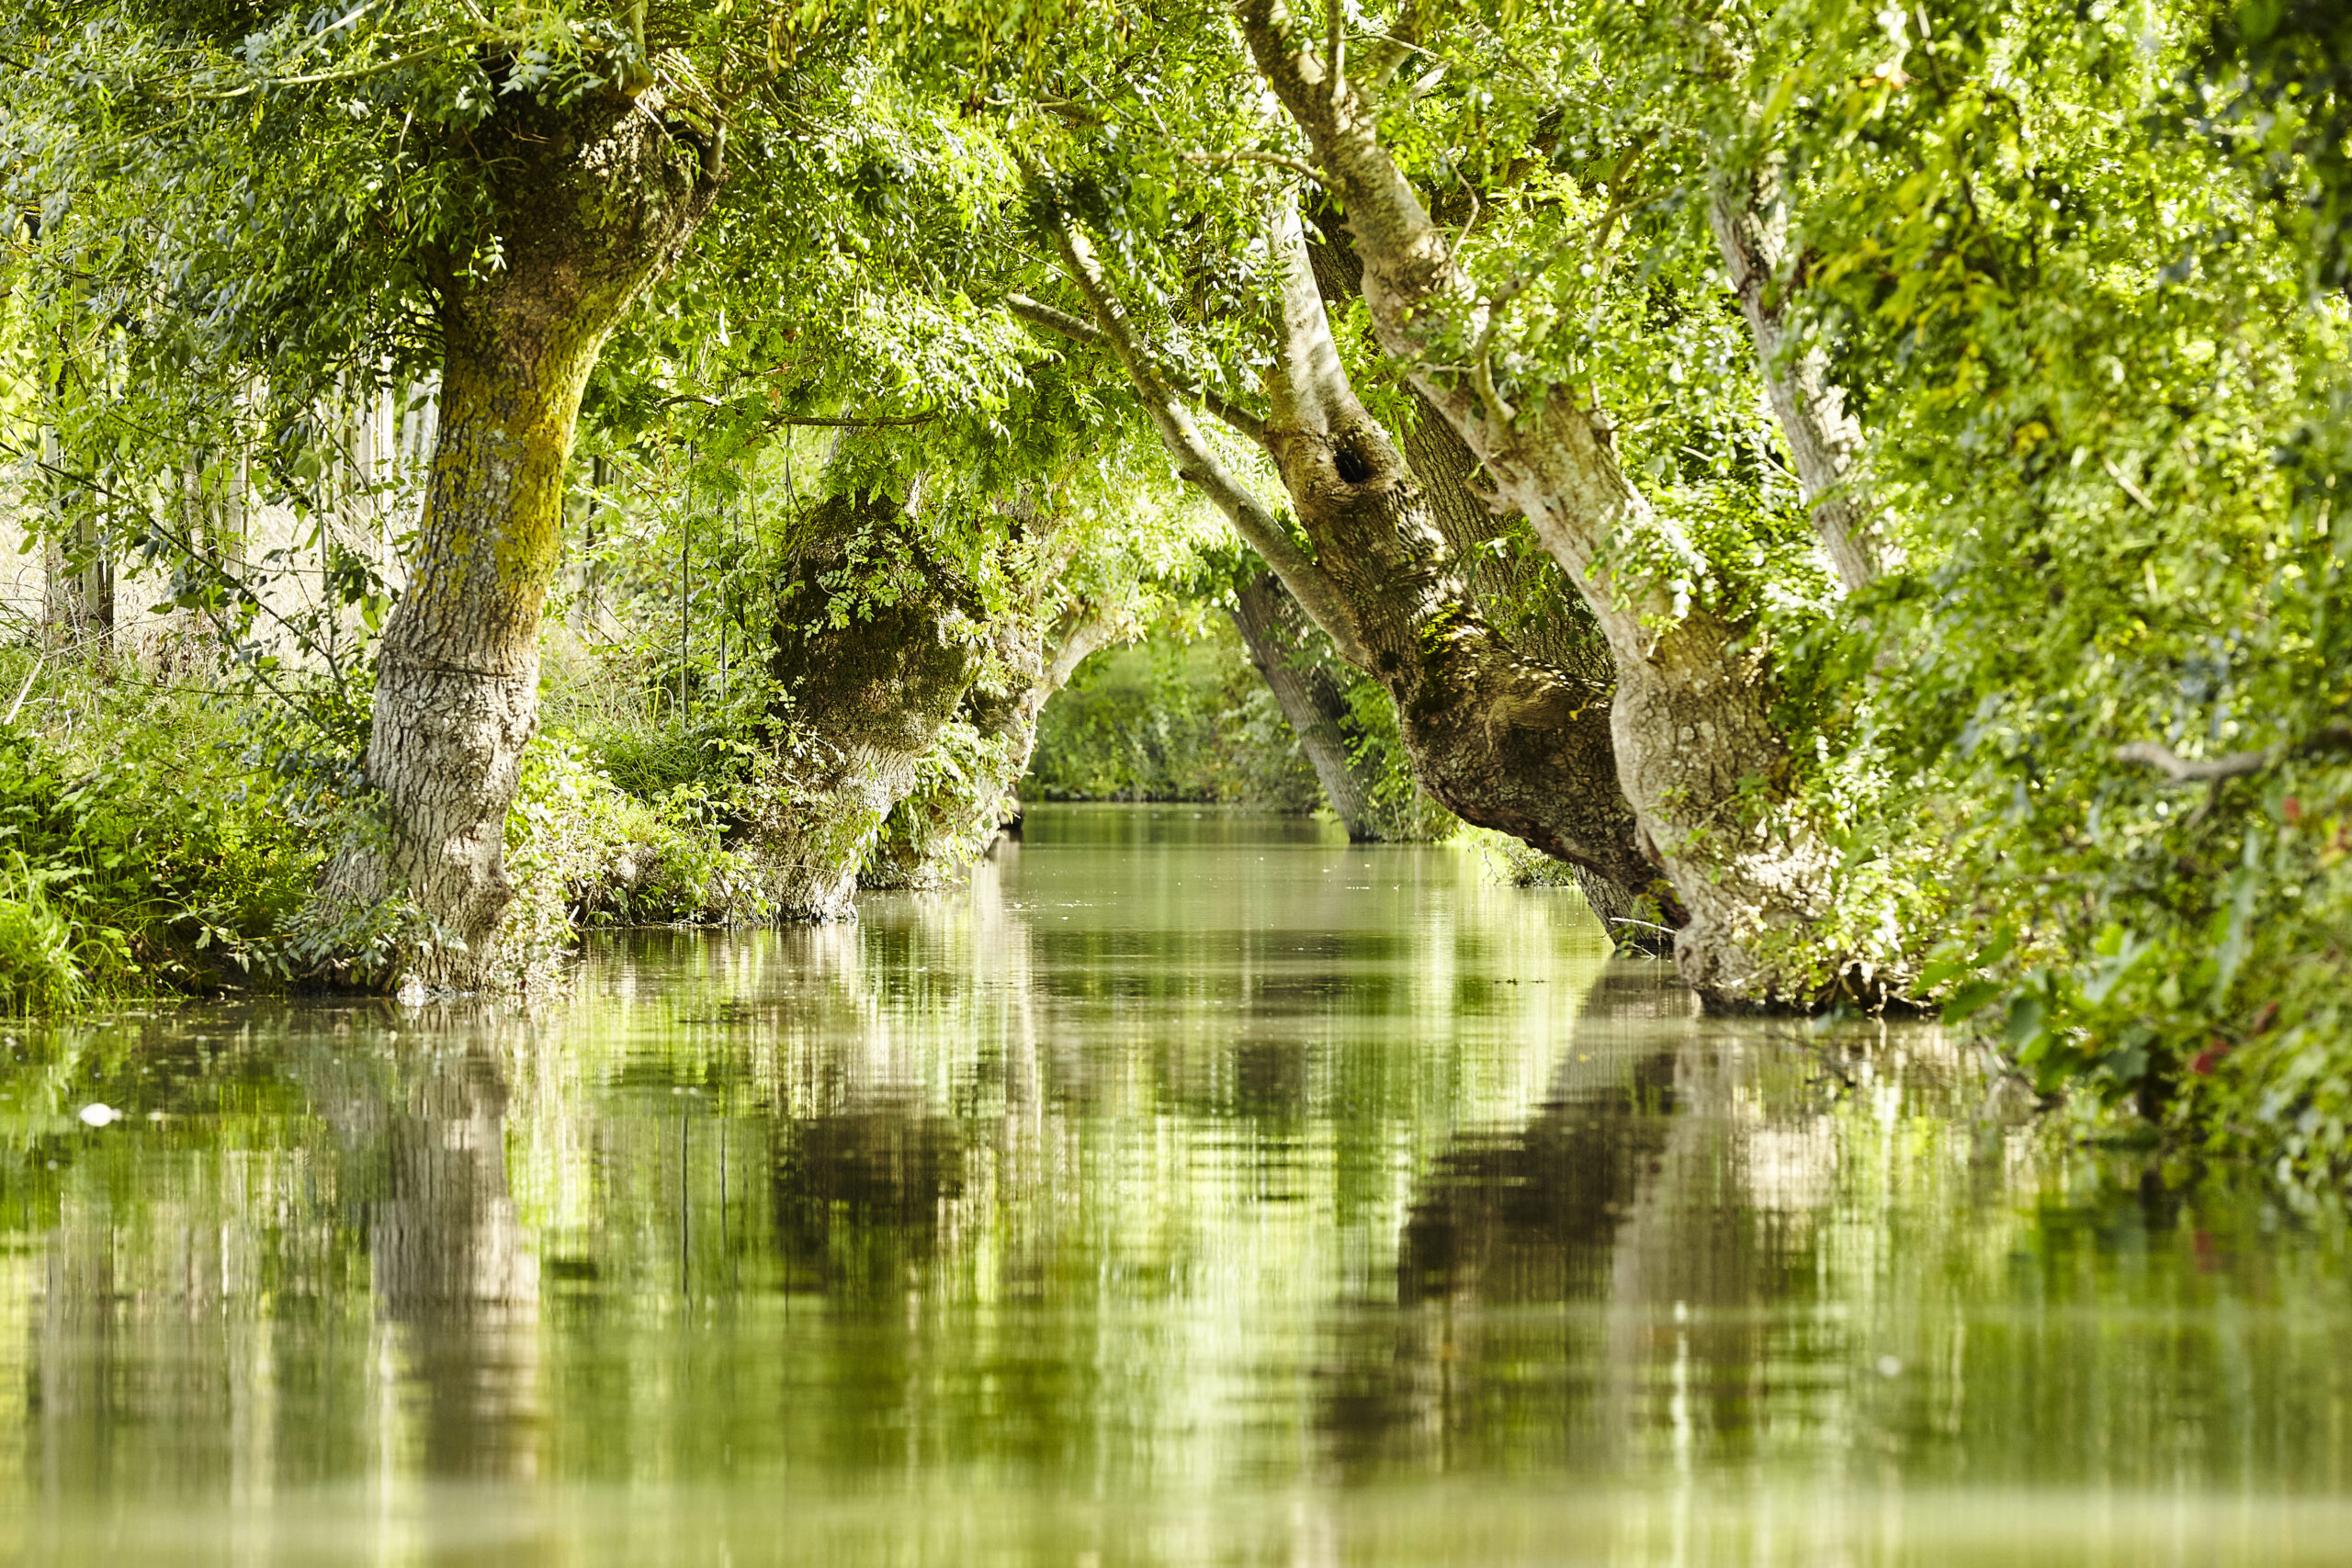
[(2179, 770), (1038, 313), (1199, 467)]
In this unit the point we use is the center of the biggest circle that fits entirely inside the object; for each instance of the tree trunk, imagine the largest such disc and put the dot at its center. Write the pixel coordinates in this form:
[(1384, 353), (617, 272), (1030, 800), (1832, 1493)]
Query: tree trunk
[(939, 832), (1518, 589), (591, 202), (1497, 738), (78, 589), (1699, 761), (868, 686), (1271, 627)]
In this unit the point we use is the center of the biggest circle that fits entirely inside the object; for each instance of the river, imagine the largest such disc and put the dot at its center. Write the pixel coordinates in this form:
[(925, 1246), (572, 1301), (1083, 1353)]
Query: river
[(1194, 1188)]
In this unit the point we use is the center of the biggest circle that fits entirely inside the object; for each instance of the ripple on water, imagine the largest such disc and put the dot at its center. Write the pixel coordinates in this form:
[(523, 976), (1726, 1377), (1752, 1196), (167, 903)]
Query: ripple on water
[(1194, 1188)]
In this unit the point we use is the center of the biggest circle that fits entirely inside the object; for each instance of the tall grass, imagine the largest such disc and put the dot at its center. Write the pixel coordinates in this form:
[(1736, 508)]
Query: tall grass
[(49, 962)]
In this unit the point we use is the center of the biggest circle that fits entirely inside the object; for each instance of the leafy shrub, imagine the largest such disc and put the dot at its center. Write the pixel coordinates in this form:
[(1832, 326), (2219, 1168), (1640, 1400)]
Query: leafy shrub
[(49, 962), (149, 846), (583, 852)]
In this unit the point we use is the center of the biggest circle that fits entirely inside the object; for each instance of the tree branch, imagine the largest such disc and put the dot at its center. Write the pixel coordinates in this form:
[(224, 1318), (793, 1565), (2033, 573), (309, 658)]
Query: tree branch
[(1198, 465), (2180, 769), (1038, 313), (1251, 155)]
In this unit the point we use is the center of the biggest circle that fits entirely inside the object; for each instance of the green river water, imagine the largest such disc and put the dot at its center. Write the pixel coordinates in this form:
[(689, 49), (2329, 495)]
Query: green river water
[(1193, 1189)]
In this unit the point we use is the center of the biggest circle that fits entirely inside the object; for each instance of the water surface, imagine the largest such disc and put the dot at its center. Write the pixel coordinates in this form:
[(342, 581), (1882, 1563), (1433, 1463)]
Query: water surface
[(1196, 1187)]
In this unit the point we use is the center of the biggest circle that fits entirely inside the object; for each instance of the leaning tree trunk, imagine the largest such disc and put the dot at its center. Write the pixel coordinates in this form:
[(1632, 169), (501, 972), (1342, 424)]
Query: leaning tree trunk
[(1518, 588), (1701, 763), (1273, 626), (590, 202), (867, 685), (1499, 740), (1825, 439), (938, 833)]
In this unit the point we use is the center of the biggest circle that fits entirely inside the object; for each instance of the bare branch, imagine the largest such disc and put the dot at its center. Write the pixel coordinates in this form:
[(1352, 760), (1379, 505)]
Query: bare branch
[(1251, 155), (1038, 313), (886, 422), (2125, 485), (2180, 769), (2177, 768)]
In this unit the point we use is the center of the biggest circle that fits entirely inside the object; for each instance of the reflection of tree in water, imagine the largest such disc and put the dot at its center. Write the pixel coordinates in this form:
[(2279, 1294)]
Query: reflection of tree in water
[(448, 1261), (858, 1195), (1533, 1215), (1632, 1191)]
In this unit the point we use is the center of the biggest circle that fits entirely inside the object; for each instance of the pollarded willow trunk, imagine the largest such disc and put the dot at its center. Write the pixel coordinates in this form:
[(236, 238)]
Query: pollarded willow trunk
[(1274, 628), (590, 203), (1701, 763), (1501, 740), (938, 833), (868, 681)]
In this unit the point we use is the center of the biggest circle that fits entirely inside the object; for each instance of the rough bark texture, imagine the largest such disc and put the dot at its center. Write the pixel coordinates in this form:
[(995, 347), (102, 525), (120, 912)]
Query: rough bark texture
[(1518, 589), (1273, 626), (591, 202), (1499, 740), (936, 834), (1824, 439), (1696, 751), (865, 699)]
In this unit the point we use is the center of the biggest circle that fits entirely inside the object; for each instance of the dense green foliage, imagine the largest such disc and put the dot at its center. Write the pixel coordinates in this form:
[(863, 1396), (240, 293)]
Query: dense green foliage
[(1171, 719), (2076, 753)]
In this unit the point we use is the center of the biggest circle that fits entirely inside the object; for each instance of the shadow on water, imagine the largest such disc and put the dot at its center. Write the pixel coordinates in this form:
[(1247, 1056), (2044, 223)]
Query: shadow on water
[(1194, 1188)]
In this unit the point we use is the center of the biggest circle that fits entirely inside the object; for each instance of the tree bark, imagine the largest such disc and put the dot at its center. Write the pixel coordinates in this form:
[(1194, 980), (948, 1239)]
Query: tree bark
[(1696, 750), (1825, 440), (1271, 625), (867, 686), (1518, 587), (1497, 738), (590, 203), (938, 833)]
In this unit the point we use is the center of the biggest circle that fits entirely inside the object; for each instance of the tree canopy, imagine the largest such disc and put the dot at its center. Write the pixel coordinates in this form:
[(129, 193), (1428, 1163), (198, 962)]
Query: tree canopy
[(1852, 486)]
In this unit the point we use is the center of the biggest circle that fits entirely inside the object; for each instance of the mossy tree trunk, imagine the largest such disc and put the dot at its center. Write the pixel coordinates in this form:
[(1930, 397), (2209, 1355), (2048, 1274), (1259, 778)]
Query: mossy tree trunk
[(1702, 764), (941, 829), (590, 202), (868, 681)]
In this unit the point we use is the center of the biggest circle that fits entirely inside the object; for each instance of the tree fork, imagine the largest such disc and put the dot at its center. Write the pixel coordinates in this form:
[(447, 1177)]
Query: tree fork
[(1690, 718), (1505, 741)]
